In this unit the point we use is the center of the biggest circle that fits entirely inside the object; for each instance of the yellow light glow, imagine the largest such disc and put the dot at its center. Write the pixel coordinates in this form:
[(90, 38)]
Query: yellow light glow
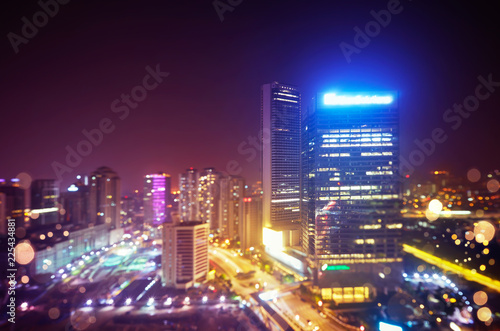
[(484, 314), (272, 239), (435, 206), (468, 274), (484, 231)]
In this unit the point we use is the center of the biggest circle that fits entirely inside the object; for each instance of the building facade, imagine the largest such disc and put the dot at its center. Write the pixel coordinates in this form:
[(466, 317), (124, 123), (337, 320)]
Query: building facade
[(189, 204), (157, 198), (280, 162), (184, 254), (350, 186), (76, 204), (252, 222), (232, 192), (209, 188), (105, 195), (12, 201)]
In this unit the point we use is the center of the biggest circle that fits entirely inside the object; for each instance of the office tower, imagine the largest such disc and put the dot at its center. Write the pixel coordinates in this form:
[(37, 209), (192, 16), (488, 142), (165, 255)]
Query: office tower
[(209, 186), (189, 204), (44, 201), (232, 192), (251, 235), (157, 198), (184, 254), (350, 189), (12, 198), (76, 203), (105, 194), (280, 162)]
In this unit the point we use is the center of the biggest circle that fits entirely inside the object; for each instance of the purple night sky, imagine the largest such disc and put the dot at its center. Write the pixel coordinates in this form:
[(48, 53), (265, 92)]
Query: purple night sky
[(66, 77)]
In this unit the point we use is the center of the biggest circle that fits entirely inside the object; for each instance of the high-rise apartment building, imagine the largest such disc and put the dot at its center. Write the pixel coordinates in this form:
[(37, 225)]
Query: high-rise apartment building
[(280, 162), (105, 195), (76, 203), (189, 204), (350, 187), (44, 201), (157, 198), (232, 192), (251, 235), (184, 254), (12, 199), (209, 187)]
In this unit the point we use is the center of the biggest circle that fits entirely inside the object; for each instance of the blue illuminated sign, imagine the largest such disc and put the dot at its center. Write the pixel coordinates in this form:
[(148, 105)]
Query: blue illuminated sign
[(332, 99)]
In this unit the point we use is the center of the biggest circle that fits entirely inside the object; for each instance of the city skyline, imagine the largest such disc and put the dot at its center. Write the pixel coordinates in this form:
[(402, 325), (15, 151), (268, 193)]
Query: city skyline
[(250, 165), (315, 65)]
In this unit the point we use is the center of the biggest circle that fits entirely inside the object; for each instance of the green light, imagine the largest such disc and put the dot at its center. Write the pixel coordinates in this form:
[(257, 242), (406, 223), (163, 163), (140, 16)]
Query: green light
[(337, 267)]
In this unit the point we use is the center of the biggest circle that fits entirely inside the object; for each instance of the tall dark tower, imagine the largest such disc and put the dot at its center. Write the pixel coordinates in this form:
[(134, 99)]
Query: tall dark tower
[(280, 163)]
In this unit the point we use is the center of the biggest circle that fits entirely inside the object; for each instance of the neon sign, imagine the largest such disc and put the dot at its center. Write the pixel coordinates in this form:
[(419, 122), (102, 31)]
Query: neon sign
[(332, 99)]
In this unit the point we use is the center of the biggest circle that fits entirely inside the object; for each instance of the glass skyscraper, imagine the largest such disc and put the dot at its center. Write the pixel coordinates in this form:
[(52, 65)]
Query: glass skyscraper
[(157, 199), (350, 188), (280, 163)]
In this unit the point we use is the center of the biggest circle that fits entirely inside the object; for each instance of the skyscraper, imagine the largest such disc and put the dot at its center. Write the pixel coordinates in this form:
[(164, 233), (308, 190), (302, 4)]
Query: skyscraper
[(105, 195), (350, 188), (251, 235), (44, 201), (280, 163), (12, 198), (209, 187), (157, 198), (189, 204), (232, 192), (76, 203)]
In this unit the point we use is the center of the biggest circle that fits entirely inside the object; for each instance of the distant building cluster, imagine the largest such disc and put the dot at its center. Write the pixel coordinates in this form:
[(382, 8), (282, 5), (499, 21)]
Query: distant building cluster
[(61, 226)]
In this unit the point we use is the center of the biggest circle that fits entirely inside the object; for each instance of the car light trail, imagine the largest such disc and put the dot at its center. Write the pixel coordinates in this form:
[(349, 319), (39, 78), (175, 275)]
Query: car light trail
[(448, 266)]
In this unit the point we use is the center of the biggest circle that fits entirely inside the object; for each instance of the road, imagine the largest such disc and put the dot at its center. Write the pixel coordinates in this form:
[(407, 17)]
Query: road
[(288, 305)]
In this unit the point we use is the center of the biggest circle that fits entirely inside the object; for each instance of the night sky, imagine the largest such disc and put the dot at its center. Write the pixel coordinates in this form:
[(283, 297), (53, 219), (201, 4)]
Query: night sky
[(65, 78)]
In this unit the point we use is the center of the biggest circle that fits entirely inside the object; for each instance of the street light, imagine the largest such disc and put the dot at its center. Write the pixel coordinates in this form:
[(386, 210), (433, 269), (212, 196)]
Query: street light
[(320, 303), (297, 317)]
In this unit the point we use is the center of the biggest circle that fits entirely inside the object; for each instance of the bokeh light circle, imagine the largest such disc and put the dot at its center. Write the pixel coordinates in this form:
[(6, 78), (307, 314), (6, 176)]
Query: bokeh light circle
[(54, 313), (493, 185), (480, 298), (484, 231), (24, 180), (435, 206), (24, 253), (484, 314), (473, 175)]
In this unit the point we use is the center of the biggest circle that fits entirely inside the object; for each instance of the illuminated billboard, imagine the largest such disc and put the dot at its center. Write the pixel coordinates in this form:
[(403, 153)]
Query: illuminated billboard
[(333, 99)]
